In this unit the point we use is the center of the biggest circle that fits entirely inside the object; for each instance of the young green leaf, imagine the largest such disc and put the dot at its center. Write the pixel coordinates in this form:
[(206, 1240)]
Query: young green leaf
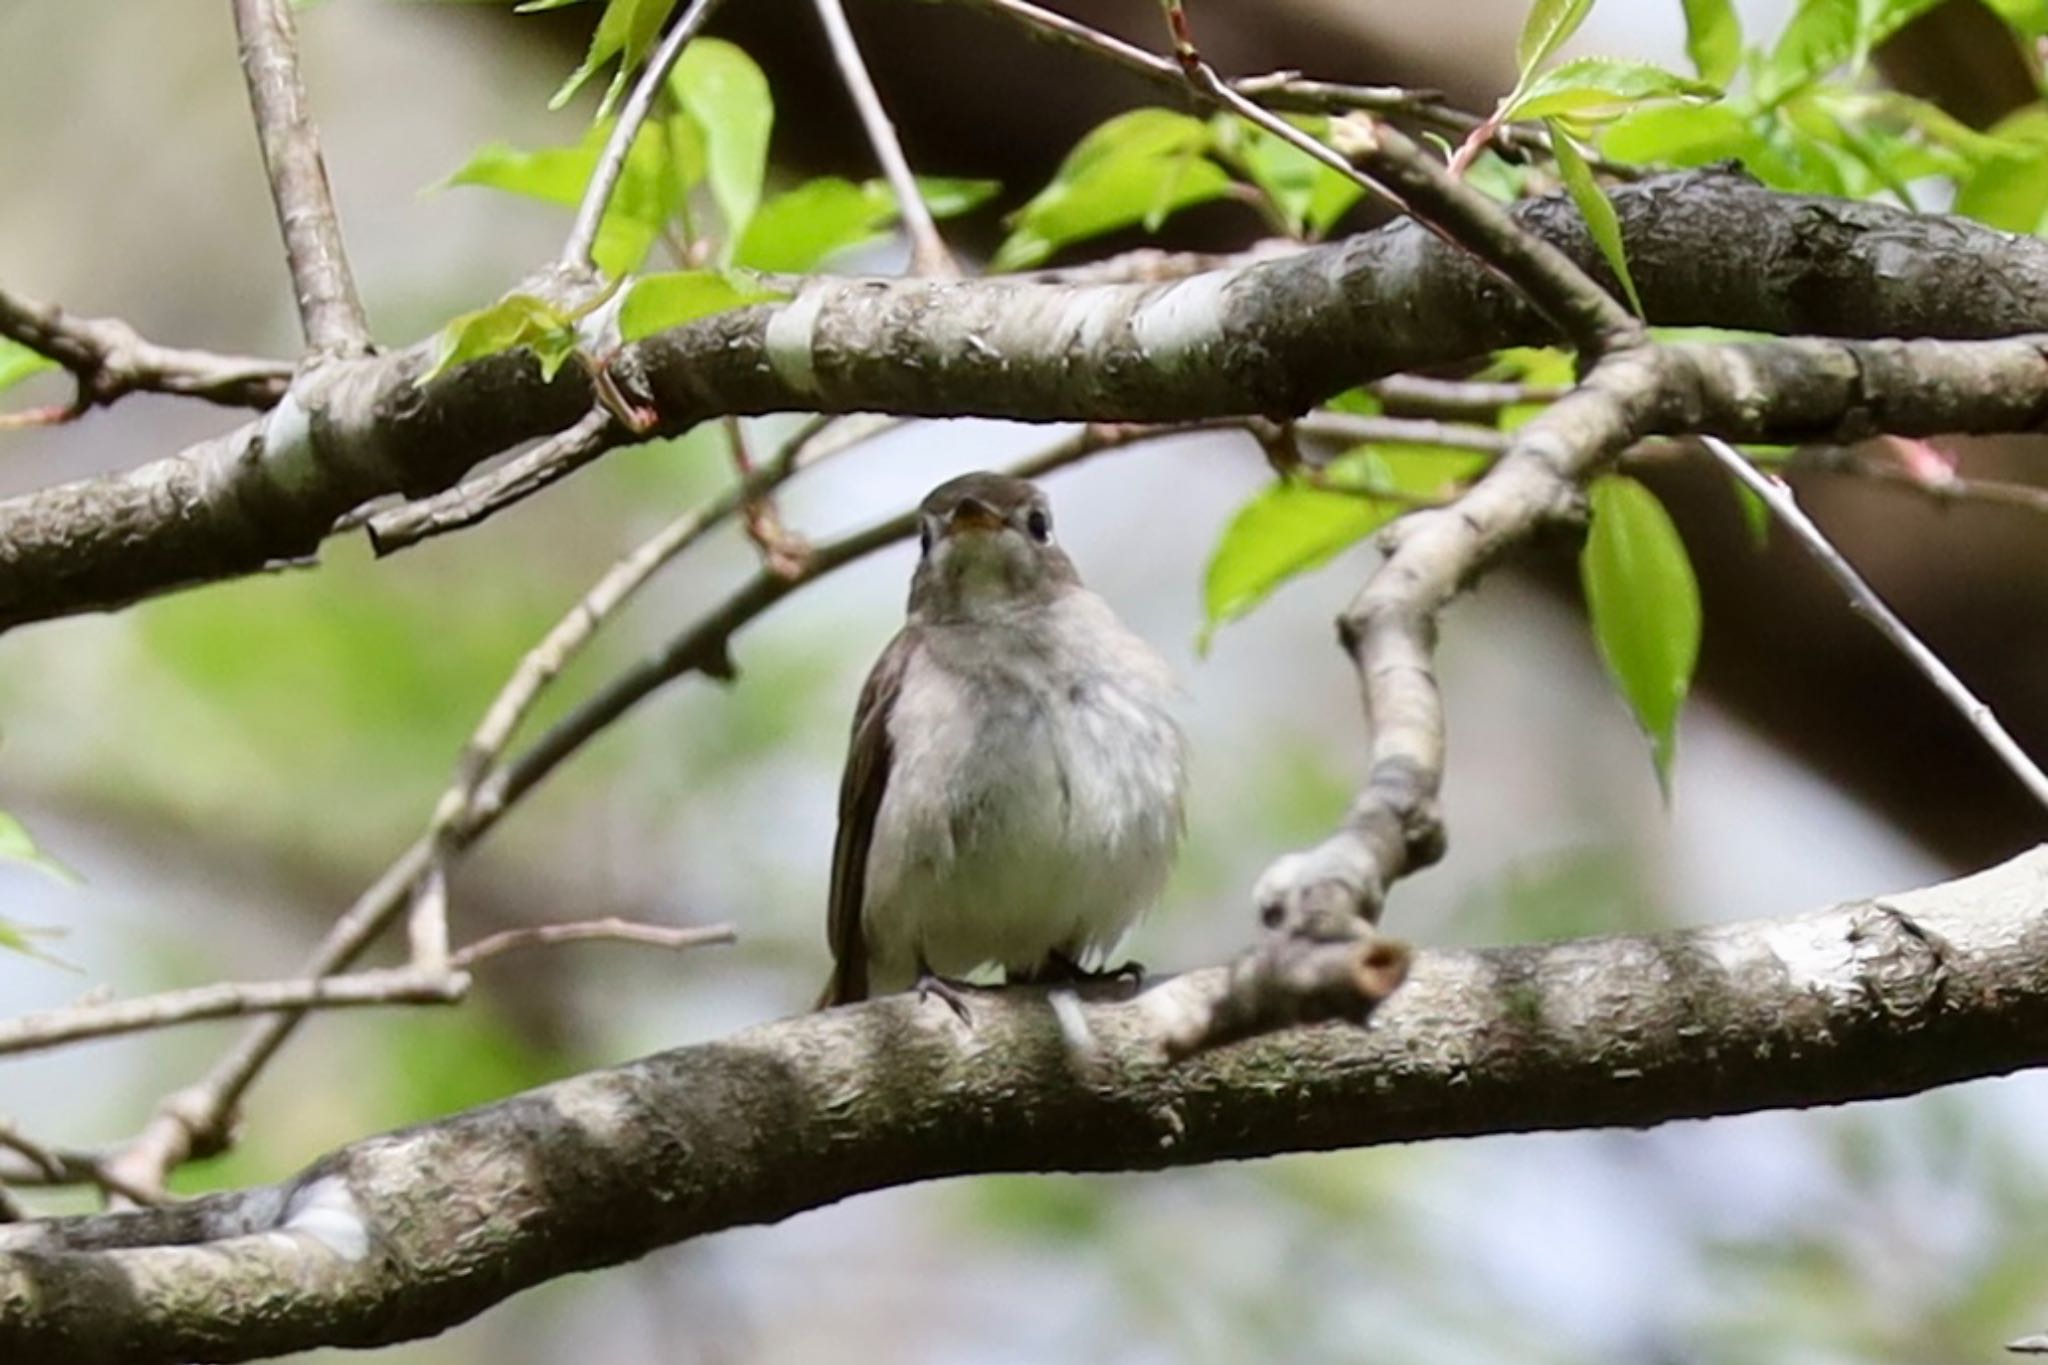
[(1549, 25), (950, 196), (2026, 18), (798, 228), (18, 362), (1713, 39), (1600, 88), (1288, 528), (627, 31), (664, 162), (518, 320), (724, 91), (1308, 195), (1595, 207), (1679, 135), (656, 303), (1135, 169), (1645, 607), (16, 846), (1826, 34)]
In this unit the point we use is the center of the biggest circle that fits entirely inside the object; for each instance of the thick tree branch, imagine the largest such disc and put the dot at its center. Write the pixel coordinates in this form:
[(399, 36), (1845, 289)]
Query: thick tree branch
[(109, 358), (1268, 338), (329, 311), (399, 1236)]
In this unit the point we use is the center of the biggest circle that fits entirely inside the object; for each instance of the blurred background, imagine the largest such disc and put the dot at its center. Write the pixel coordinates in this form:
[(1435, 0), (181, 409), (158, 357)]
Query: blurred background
[(227, 768)]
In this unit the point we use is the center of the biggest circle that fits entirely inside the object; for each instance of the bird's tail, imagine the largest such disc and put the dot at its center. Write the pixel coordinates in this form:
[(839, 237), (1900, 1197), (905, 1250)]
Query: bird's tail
[(848, 985)]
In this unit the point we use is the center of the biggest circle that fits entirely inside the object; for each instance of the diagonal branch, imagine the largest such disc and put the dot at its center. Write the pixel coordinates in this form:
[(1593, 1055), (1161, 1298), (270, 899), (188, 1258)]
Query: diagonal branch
[(403, 1235), (329, 312), (928, 254), (1778, 497), (611, 163)]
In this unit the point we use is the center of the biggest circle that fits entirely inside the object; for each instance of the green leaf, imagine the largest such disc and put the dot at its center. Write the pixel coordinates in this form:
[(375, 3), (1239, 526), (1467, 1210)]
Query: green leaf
[(518, 320), (2010, 191), (2027, 18), (951, 196), (1713, 39), (1600, 88), (1135, 169), (795, 230), (1549, 25), (1309, 194), (656, 303), (1645, 607), (665, 161), (1595, 207), (18, 362), (1826, 34), (1679, 135), (16, 846), (724, 91), (1286, 529), (627, 31)]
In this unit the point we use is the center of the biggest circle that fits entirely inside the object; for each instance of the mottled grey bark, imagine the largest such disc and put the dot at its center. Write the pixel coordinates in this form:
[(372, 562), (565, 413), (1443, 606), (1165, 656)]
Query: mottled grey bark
[(1269, 338), (402, 1235)]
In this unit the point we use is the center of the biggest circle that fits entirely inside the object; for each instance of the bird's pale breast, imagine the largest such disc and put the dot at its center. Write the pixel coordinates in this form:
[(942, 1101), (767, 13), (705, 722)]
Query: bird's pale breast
[(1034, 795)]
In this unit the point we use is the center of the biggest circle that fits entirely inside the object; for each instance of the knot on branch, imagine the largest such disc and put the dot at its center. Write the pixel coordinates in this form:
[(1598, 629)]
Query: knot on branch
[(1287, 980)]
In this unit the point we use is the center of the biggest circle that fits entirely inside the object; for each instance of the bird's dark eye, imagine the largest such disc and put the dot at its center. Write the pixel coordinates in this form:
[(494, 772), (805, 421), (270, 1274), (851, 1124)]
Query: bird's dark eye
[(924, 539), (1039, 524)]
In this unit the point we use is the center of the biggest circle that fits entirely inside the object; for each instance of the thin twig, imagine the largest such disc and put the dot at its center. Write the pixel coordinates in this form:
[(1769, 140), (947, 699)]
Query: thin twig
[(928, 254), (782, 550), (1777, 496), (48, 1028), (329, 309), (1951, 491), (491, 492), (1356, 429), (611, 163), (48, 1166), (582, 931), (1414, 395), (108, 358)]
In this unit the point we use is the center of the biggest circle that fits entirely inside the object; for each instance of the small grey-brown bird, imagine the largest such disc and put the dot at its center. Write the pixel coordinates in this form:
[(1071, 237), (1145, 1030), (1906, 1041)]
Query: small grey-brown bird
[(1013, 791)]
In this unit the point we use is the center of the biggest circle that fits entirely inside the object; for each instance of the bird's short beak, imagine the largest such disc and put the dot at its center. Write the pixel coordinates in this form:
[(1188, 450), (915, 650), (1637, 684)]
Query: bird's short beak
[(971, 514)]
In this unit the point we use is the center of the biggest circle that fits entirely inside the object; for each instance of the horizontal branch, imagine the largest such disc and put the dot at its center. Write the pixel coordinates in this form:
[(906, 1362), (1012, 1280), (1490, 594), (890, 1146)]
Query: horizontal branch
[(109, 359), (403, 1235), (1268, 338)]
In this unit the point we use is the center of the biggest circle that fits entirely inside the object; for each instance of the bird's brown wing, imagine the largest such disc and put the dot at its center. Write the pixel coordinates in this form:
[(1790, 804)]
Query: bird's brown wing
[(860, 796)]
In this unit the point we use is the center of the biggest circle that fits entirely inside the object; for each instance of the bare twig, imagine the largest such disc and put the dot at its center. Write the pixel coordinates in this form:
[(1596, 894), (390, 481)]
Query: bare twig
[(49, 1166), (928, 254), (781, 550), (108, 358), (222, 1000), (611, 163), (1356, 429), (584, 931), (1412, 395), (491, 492), (1785, 507), (329, 310), (1948, 492)]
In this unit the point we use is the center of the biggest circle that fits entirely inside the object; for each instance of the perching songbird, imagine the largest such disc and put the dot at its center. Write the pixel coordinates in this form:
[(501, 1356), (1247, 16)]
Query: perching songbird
[(1013, 790)]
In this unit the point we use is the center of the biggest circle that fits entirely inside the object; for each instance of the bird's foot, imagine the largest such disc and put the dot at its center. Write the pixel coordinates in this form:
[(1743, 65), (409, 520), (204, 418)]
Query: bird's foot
[(1060, 969), (954, 993)]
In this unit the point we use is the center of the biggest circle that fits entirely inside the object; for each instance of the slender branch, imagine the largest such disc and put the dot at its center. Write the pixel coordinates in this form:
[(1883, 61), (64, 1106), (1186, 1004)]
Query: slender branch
[(406, 1234), (611, 163), (223, 1000), (109, 359), (1947, 492), (1408, 395), (48, 1166), (1777, 496), (928, 254), (1346, 428), (585, 931), (329, 311), (780, 550), (474, 500)]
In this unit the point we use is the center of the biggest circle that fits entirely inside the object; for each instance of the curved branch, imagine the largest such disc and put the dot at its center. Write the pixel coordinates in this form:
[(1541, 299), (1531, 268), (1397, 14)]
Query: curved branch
[(1272, 337), (403, 1235)]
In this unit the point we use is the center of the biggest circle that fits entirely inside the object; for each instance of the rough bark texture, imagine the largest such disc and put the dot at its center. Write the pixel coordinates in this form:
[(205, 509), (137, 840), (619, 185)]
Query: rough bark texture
[(1269, 338), (402, 1235)]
